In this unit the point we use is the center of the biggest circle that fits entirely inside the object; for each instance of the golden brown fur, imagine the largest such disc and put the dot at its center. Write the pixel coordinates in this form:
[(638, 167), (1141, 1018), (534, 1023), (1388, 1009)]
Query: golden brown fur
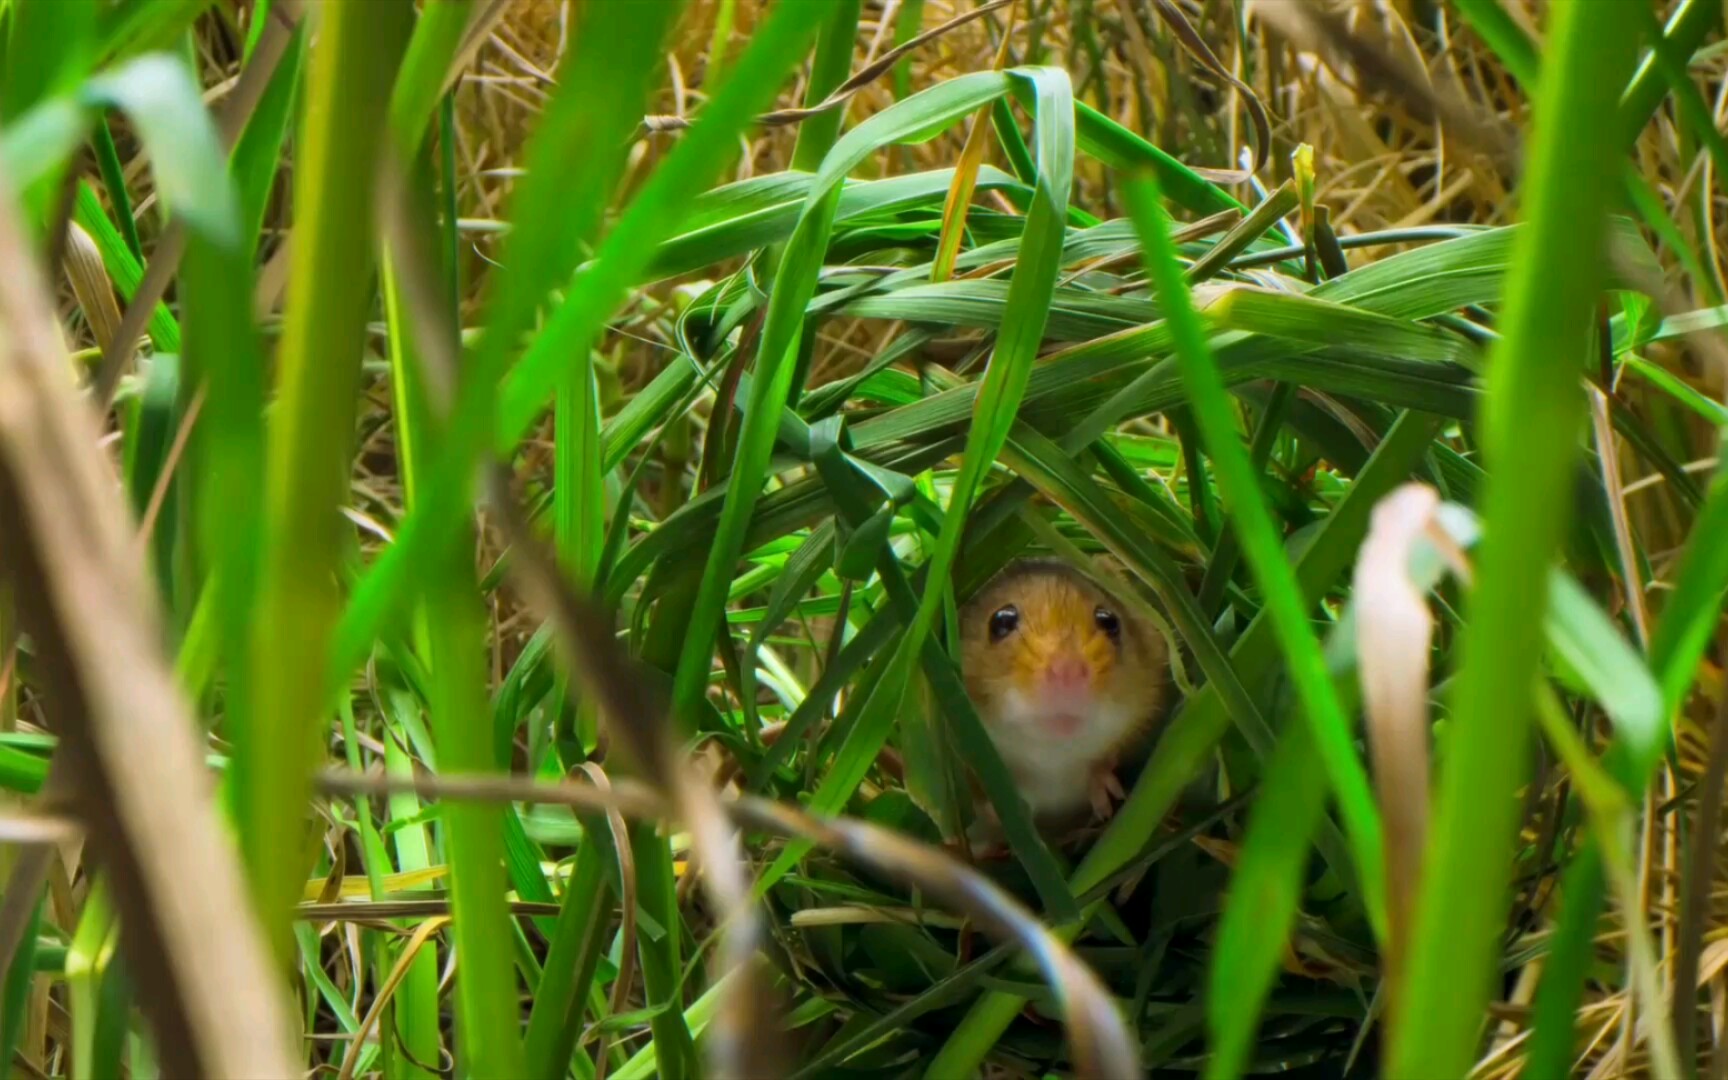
[(1057, 616)]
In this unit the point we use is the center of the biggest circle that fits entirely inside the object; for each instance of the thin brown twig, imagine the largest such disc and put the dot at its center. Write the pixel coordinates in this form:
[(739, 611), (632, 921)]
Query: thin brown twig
[(1101, 1044), (1197, 47), (626, 978), (626, 796), (843, 93), (170, 465), (1379, 69), (383, 910)]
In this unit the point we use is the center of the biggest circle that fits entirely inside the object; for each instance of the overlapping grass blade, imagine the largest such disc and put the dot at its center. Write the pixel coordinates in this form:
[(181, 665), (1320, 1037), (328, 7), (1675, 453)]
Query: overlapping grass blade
[(33, 75), (423, 334), (1258, 537), (124, 269), (259, 149), (555, 1022), (794, 284), (1677, 647), (1688, 24), (998, 401), (1127, 152)]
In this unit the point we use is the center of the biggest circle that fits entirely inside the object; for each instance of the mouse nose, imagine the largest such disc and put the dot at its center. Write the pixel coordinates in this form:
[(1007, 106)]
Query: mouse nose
[(1068, 671)]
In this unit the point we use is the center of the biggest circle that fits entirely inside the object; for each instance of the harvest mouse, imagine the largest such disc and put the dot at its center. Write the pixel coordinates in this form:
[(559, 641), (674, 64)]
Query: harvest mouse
[(1064, 677)]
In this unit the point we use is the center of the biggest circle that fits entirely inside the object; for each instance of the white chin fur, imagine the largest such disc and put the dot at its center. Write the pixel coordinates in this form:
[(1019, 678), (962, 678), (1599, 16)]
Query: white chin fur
[(1055, 770)]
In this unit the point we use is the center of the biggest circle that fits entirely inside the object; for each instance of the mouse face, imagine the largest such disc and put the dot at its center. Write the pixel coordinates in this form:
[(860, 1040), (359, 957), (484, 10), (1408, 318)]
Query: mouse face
[(1058, 669)]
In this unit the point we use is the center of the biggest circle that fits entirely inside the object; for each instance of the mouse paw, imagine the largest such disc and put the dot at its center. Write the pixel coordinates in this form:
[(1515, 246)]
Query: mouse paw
[(1104, 793), (972, 852), (985, 836)]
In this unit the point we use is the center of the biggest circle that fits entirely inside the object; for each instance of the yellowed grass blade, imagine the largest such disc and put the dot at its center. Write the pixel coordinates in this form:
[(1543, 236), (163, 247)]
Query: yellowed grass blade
[(966, 176), (195, 950), (1394, 629)]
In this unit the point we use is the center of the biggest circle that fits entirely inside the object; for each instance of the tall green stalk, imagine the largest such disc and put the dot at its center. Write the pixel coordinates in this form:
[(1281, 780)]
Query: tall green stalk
[(487, 1013), (828, 69), (1248, 949), (1534, 414), (311, 439)]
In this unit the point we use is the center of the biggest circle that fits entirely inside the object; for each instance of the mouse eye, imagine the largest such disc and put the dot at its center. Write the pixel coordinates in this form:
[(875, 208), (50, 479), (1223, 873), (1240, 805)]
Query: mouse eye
[(1004, 622), (1108, 622)]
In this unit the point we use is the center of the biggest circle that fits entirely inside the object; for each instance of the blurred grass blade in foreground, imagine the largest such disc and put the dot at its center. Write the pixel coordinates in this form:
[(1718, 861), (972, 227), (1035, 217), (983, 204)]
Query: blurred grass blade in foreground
[(1531, 425)]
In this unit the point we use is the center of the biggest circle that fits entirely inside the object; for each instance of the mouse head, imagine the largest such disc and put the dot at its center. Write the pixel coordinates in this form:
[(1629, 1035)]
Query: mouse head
[(1050, 656)]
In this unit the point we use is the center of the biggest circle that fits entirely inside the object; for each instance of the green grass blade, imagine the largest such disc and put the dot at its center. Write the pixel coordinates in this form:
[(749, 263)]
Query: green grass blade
[(555, 1022), (223, 355), (1121, 149), (738, 218), (1508, 40), (425, 66), (1695, 112), (15, 990), (32, 72), (123, 269), (487, 1015), (90, 964), (1291, 317), (417, 1005), (828, 69), (161, 98), (579, 492), (622, 258), (1534, 413), (674, 1044), (454, 635), (152, 418), (139, 26), (258, 152), (1683, 392), (998, 401), (1689, 617), (310, 440), (1265, 888), (770, 386), (1263, 549), (38, 144), (1688, 25), (1572, 952), (114, 183)]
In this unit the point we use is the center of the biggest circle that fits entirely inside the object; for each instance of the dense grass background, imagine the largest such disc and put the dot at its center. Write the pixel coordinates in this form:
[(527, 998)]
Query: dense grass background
[(414, 349)]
